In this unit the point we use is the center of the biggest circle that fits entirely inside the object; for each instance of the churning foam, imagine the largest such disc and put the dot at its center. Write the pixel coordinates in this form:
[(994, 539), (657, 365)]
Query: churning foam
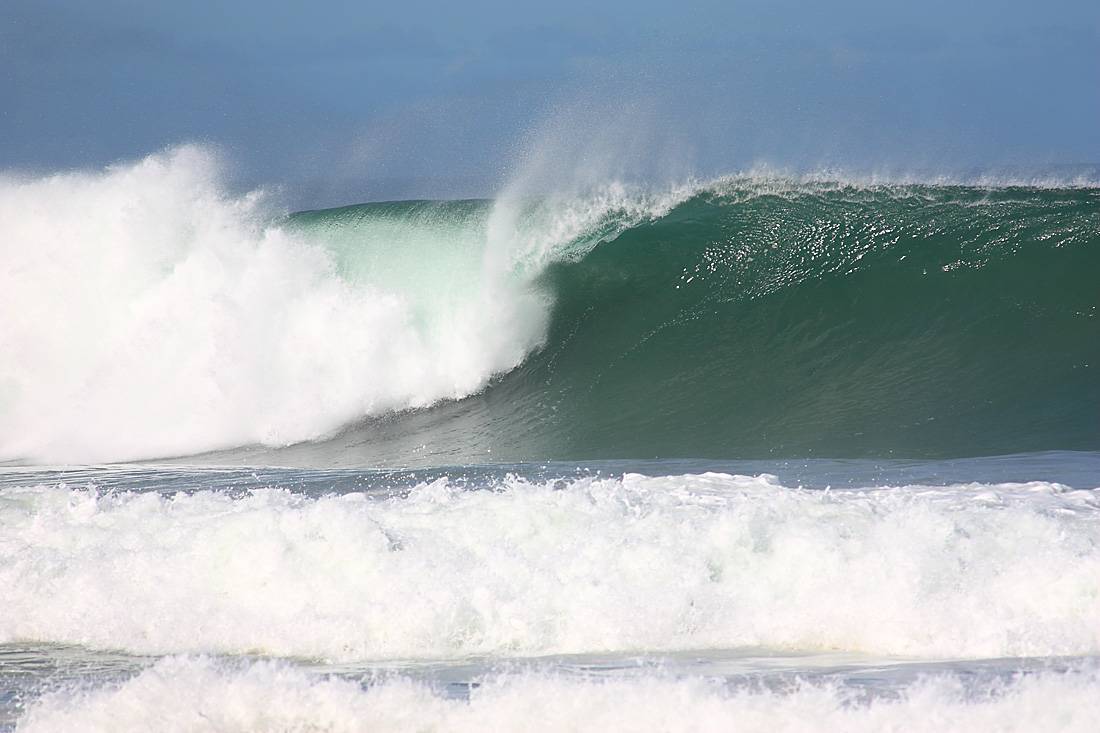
[(200, 694), (148, 313), (595, 565)]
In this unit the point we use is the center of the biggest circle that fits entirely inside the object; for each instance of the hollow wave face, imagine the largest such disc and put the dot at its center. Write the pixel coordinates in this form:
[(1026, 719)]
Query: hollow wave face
[(773, 318)]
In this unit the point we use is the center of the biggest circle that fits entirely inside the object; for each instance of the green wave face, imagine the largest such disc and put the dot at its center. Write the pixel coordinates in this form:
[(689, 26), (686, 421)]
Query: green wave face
[(764, 319)]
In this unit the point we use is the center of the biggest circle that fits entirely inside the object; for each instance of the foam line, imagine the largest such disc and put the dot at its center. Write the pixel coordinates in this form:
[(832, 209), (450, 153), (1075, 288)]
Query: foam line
[(596, 565), (200, 694)]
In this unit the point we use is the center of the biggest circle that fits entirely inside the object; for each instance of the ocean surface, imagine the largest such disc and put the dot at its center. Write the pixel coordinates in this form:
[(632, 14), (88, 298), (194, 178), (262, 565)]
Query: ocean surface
[(750, 453)]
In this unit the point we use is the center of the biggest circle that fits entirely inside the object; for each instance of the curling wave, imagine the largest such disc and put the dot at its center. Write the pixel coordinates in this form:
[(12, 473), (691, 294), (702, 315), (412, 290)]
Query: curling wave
[(156, 315)]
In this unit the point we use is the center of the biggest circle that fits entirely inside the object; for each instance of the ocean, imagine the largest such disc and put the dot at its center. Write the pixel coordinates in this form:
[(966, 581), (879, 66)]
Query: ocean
[(756, 452)]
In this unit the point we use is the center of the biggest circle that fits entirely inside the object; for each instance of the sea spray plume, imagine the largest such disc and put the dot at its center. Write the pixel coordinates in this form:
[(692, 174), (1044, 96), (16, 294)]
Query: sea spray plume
[(586, 173)]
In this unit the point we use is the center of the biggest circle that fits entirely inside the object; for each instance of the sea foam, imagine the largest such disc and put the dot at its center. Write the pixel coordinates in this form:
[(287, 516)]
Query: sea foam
[(590, 565), (148, 313), (200, 694)]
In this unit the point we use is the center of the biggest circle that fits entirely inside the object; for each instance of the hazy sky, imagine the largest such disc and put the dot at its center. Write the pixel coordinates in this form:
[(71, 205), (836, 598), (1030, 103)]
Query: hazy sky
[(308, 92)]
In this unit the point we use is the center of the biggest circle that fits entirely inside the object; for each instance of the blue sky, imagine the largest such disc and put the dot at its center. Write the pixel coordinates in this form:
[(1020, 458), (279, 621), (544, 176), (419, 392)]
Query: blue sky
[(435, 96)]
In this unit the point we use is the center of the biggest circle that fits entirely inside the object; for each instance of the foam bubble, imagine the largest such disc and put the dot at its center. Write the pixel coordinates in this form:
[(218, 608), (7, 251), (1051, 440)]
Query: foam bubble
[(199, 694), (597, 565)]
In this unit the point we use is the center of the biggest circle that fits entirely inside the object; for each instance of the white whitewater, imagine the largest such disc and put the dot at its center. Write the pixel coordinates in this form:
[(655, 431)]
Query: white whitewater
[(594, 565)]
